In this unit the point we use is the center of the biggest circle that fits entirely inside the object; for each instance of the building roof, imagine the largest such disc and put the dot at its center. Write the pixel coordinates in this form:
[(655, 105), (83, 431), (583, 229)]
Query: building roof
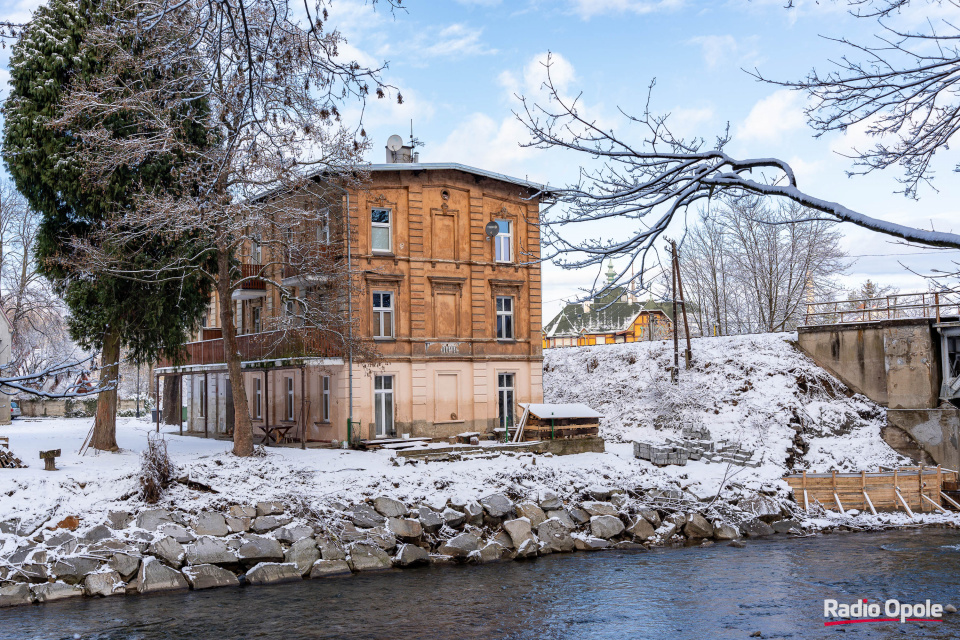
[(602, 315), (571, 410), (456, 166)]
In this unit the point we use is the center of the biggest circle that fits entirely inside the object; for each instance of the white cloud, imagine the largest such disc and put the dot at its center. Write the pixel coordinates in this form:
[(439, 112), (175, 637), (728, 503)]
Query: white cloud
[(587, 9), (689, 122), (529, 82), (456, 40), (481, 141), (717, 49), (772, 117)]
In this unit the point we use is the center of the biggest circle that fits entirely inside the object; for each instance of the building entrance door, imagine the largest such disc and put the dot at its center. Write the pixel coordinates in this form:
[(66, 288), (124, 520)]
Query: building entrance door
[(505, 401), (383, 405)]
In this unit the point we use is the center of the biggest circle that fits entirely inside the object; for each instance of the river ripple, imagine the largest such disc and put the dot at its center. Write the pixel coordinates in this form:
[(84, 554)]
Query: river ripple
[(774, 586)]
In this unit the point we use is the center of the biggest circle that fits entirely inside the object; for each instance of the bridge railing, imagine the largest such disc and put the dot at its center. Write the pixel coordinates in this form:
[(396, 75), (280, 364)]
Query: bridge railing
[(935, 305)]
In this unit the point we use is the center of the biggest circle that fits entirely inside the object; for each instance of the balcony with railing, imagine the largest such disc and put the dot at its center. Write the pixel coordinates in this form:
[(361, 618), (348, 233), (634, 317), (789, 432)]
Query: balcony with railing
[(270, 345), (252, 285)]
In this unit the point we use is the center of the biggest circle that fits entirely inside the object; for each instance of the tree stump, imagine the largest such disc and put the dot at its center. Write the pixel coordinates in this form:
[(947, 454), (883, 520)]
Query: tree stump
[(49, 459)]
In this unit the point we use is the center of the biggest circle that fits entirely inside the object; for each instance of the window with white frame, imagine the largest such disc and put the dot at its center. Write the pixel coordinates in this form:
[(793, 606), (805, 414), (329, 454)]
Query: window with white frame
[(504, 318), (289, 403), (503, 242), (325, 408), (323, 227), (256, 252), (381, 230), (382, 314), (383, 405), (257, 326), (257, 399)]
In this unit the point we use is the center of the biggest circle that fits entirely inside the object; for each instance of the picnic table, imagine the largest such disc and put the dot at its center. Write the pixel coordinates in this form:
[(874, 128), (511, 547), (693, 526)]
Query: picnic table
[(278, 432)]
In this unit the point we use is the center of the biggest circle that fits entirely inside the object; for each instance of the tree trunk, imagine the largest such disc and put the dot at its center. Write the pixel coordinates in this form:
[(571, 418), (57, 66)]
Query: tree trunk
[(242, 426), (105, 423)]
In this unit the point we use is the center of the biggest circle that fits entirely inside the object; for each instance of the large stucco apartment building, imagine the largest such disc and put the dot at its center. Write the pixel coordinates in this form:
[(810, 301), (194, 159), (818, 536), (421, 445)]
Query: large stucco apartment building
[(452, 305)]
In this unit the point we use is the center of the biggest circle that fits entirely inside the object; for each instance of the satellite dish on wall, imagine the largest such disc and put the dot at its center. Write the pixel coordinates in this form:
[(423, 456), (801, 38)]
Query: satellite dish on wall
[(394, 143), (491, 229)]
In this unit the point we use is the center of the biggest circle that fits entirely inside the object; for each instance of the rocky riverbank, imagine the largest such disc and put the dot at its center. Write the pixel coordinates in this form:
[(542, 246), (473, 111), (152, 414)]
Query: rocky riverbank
[(164, 549)]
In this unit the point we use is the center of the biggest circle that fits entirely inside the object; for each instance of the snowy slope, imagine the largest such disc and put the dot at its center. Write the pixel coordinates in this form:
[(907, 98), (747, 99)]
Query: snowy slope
[(757, 390)]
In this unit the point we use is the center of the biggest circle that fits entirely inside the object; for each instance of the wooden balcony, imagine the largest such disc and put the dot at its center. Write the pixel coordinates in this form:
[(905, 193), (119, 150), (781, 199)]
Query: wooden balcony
[(271, 345), (252, 286)]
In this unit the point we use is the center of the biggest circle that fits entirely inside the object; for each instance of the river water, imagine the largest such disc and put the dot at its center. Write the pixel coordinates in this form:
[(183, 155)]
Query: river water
[(775, 586)]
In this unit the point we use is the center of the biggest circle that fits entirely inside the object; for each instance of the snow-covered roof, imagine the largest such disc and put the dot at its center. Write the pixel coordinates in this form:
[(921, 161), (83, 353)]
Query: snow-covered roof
[(572, 410), (456, 166)]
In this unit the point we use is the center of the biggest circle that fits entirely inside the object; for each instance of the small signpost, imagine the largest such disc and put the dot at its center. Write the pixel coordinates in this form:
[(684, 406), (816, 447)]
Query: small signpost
[(49, 459)]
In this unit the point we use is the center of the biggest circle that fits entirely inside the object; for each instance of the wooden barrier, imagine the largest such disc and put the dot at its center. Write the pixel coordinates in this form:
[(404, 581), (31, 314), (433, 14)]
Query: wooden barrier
[(909, 489)]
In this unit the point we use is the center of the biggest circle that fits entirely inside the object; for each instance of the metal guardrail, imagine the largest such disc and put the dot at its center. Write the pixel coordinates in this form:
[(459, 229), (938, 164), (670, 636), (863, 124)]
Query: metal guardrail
[(893, 307)]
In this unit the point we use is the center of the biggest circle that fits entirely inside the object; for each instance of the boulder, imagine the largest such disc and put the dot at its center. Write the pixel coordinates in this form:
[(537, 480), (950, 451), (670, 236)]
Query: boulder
[(458, 502), (178, 532), (666, 530), (382, 538), (676, 518), (529, 548), (520, 531), (406, 529), (756, 529), (64, 542), (35, 572), (124, 564), (549, 501), (51, 591), (578, 515), (367, 557), (599, 492), (474, 512), (724, 531), (209, 576), (651, 516), (453, 518), (409, 554), (389, 508), (430, 520), (14, 595), (363, 515), (156, 576), (329, 568), (257, 549), (303, 553), (460, 546), (531, 512), (269, 508), (209, 550), (292, 534), (242, 511), (273, 573), (72, 569), (787, 526), (151, 519), (104, 583), (490, 552), (600, 509), (619, 500), (641, 529), (350, 533), (263, 524), (504, 539), (606, 527), (330, 550), (98, 533), (497, 505), (626, 545), (697, 527), (760, 506), (562, 516), (168, 550), (238, 524), (211, 524), (119, 519), (591, 543), (555, 535)]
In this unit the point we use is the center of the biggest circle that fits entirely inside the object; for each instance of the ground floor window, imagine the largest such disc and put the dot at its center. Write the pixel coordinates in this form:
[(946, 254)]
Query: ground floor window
[(202, 397), (505, 400), (257, 399), (325, 407), (289, 398), (383, 405)]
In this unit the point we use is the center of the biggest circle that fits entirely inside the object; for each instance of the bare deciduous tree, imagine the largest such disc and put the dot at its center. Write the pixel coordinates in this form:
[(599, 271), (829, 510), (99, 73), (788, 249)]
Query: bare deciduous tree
[(265, 92)]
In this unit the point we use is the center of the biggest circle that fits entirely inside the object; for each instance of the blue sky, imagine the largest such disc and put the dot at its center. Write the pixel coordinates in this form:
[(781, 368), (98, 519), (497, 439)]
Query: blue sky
[(459, 64)]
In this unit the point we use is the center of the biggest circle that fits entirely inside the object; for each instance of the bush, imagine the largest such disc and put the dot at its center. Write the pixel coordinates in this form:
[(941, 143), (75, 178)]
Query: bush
[(156, 469)]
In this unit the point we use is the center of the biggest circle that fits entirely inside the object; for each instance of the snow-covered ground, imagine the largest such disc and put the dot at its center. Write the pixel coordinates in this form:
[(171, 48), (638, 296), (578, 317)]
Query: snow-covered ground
[(741, 388)]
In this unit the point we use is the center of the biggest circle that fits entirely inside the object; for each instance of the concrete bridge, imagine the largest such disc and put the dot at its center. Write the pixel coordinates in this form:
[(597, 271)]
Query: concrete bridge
[(909, 366)]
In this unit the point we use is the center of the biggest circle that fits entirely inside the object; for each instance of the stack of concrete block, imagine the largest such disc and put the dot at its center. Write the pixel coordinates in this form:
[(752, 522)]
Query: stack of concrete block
[(679, 451)]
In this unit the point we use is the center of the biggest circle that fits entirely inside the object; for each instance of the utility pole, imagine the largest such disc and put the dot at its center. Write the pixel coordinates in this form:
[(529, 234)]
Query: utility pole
[(138, 390), (688, 355), (675, 372)]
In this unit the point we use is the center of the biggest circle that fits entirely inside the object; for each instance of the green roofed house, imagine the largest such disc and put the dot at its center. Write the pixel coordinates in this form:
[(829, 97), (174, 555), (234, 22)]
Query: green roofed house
[(614, 316)]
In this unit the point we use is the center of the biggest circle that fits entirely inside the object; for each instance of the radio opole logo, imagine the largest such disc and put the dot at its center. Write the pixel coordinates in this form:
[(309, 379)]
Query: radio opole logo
[(890, 611)]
